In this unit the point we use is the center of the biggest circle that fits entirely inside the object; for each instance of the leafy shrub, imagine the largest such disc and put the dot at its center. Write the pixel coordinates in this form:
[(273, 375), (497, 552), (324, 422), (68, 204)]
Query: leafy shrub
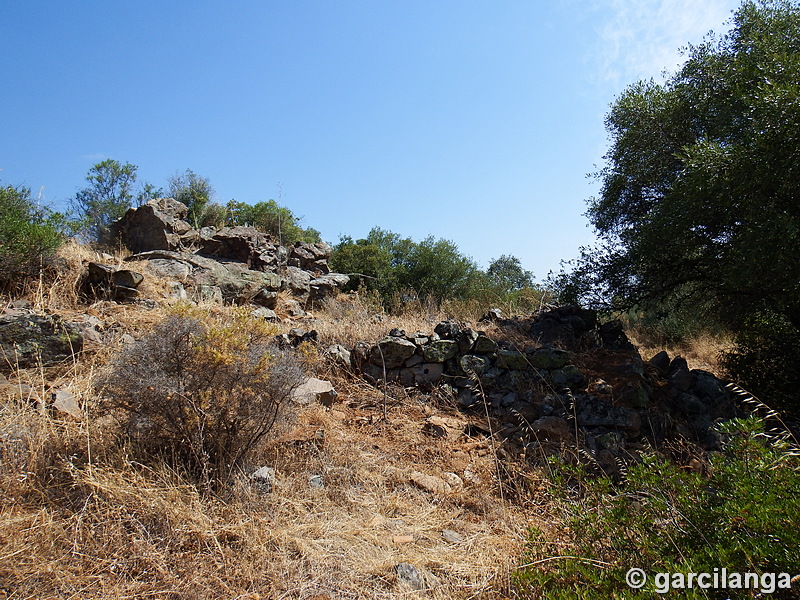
[(27, 233), (764, 360), (743, 517), (202, 392)]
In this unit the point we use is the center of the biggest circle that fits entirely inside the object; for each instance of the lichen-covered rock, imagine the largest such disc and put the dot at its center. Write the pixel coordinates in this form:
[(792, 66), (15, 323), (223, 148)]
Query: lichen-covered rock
[(441, 350), (392, 352), (32, 339), (569, 377), (513, 360), (484, 345), (472, 363), (549, 358)]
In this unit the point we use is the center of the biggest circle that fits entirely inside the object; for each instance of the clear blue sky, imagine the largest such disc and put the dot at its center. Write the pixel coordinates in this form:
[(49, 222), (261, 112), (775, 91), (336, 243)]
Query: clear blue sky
[(475, 121)]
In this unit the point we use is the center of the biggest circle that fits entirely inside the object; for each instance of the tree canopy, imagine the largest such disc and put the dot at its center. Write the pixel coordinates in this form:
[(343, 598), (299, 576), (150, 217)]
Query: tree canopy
[(112, 189), (699, 199), (430, 268)]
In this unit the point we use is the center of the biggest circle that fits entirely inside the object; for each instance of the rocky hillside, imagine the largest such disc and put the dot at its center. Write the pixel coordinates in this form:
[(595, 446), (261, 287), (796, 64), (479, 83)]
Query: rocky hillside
[(412, 458)]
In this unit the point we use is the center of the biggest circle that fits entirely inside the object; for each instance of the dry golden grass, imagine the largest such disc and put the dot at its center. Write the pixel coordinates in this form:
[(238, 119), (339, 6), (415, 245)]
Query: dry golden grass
[(701, 351), (80, 519)]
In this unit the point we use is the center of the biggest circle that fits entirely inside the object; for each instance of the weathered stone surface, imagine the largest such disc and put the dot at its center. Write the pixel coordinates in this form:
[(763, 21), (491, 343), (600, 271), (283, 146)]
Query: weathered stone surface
[(313, 390), (513, 360), (427, 373), (326, 285), (415, 577), (30, 339), (448, 330), (170, 267), (264, 313), (441, 350), (242, 244), (65, 402), (549, 358), (679, 375), (157, 225), (569, 377), (466, 339), (553, 428), (340, 354), (212, 279), (392, 352), (599, 412), (127, 278), (484, 345), (661, 361), (472, 363)]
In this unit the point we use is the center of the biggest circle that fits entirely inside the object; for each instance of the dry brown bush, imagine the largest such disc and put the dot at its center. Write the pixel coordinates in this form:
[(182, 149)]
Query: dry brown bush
[(203, 392)]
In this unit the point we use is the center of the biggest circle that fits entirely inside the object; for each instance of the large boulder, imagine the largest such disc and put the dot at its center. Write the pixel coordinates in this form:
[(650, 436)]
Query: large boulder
[(157, 225), (243, 244), (228, 281), (33, 339), (310, 257)]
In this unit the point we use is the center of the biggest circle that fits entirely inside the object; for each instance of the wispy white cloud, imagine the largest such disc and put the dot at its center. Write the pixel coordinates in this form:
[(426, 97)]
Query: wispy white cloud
[(639, 39)]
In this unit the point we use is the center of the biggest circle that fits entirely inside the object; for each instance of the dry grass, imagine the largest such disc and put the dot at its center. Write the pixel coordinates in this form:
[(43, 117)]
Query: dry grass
[(701, 351), (80, 519)]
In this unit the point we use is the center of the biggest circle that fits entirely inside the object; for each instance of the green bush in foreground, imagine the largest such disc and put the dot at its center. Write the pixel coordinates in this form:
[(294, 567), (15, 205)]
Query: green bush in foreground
[(664, 519), (28, 233)]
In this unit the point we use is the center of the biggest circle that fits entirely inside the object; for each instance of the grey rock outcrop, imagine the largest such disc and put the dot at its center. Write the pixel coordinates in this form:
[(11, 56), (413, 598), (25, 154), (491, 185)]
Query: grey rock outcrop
[(29, 339), (157, 225), (232, 264)]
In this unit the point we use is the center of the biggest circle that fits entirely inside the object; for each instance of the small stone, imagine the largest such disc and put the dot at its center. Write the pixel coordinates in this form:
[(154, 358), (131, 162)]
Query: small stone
[(316, 481), (553, 428), (340, 355), (429, 483), (453, 537), (67, 403), (408, 574), (315, 389)]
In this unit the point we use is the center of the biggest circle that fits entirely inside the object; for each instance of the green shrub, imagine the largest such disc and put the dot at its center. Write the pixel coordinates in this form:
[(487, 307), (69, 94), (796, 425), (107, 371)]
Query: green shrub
[(665, 519), (28, 234), (201, 392), (765, 360)]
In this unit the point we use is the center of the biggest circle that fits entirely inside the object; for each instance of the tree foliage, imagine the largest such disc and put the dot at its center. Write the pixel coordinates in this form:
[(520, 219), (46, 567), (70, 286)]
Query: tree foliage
[(432, 268), (195, 192), (271, 218), (111, 190), (699, 202), (28, 233)]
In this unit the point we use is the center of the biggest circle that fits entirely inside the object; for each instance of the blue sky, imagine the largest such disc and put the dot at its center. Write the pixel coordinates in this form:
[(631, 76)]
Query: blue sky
[(474, 121)]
